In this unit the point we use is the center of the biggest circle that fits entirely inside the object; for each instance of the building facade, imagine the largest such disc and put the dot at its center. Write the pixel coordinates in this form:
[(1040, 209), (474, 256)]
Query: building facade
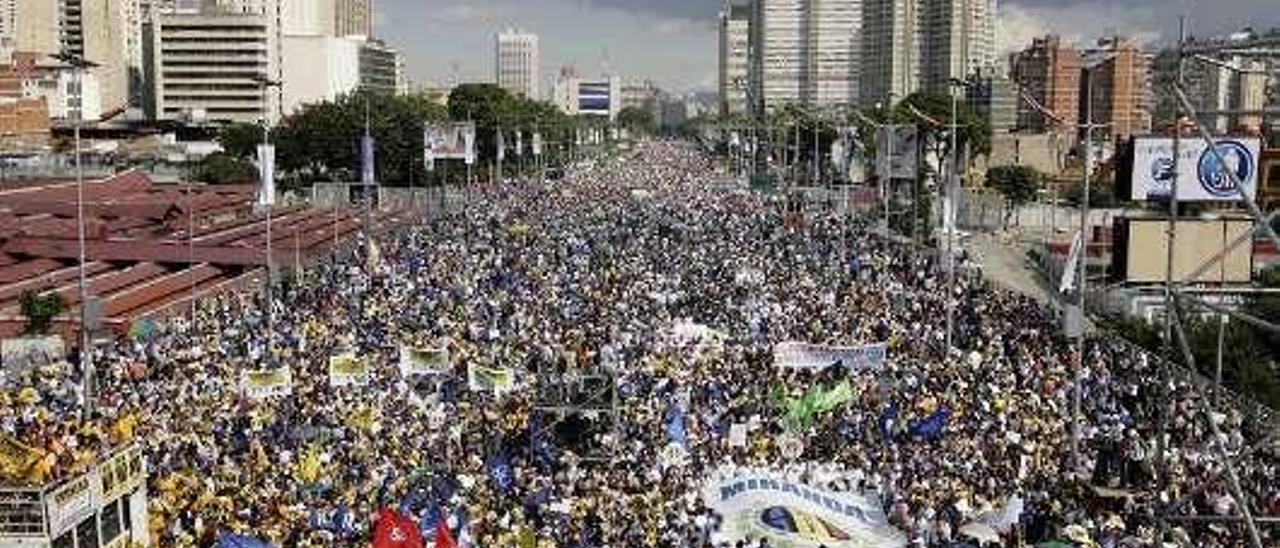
[(1048, 72), (957, 40), (574, 95), (891, 48), (319, 68), (807, 51), (353, 17), (735, 50), (1245, 78), (207, 65), (381, 67), (100, 32), (1121, 79), (516, 62)]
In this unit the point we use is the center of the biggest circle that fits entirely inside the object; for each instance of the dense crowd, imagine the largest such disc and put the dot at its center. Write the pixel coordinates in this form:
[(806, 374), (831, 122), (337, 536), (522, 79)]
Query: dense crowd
[(590, 276)]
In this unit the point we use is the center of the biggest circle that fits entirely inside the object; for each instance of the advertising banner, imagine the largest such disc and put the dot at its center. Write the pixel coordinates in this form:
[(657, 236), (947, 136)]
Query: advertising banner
[(72, 502), (346, 369), (1201, 176), (800, 355), (423, 361), (497, 380), (449, 140), (265, 383), (791, 514), (267, 174)]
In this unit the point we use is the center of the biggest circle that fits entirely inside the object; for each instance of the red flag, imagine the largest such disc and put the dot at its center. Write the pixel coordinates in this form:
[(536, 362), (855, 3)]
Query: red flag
[(396, 531), (443, 538)]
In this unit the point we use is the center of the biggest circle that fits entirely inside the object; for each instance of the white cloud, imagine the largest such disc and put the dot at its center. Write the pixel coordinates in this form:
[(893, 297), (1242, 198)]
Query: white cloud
[(1081, 24)]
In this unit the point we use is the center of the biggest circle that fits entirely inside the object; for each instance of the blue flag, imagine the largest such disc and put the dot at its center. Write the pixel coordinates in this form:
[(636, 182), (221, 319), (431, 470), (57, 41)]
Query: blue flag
[(931, 427), (675, 426), (232, 540), (501, 473), (430, 517)]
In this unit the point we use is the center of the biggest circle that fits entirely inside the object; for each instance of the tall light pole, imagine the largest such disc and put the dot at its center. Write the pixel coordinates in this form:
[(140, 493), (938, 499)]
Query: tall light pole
[(952, 190), (78, 66), (266, 84)]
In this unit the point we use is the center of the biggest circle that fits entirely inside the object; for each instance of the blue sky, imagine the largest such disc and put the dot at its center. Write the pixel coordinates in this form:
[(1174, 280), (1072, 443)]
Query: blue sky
[(673, 42)]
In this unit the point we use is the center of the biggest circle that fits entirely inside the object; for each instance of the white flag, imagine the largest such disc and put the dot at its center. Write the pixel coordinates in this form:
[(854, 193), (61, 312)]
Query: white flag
[(1068, 281)]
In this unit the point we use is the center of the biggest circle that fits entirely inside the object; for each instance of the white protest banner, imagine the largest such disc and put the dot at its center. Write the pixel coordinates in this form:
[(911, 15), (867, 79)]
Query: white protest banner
[(738, 435), (346, 369), (792, 514), (27, 352), (800, 355), (267, 382), (480, 378), (423, 361)]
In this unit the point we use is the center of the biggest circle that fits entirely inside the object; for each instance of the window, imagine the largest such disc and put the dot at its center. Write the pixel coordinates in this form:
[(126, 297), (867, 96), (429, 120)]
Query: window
[(110, 519), (87, 533)]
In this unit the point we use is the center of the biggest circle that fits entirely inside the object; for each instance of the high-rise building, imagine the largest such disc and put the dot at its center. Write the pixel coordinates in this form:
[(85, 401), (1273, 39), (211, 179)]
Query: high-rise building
[(99, 31), (1049, 73), (735, 49), (957, 41), (1246, 67), (516, 62), (30, 26), (353, 17), (205, 65), (891, 50), (641, 95), (806, 51), (1122, 98)]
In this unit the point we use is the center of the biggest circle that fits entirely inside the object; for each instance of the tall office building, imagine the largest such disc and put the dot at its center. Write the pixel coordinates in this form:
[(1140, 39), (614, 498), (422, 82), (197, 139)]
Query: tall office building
[(205, 63), (516, 62), (1049, 73), (1247, 66), (353, 17), (890, 57), (957, 41), (1122, 96), (30, 26), (806, 51), (735, 49)]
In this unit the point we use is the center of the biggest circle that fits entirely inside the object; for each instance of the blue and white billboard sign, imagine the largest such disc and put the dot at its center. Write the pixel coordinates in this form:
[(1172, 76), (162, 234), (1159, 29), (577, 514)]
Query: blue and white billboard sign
[(1202, 175)]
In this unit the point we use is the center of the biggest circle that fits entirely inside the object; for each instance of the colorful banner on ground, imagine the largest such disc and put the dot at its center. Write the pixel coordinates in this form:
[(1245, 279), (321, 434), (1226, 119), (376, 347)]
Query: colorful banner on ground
[(800, 355), (791, 514), (347, 369), (423, 361), (265, 383), (498, 380), (27, 352)]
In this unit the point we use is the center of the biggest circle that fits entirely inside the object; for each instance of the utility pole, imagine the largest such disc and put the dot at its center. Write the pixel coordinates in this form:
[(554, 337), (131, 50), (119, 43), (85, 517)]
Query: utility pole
[(268, 195)]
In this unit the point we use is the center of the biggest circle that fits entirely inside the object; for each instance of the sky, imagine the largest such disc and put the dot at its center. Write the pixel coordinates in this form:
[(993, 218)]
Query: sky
[(673, 42)]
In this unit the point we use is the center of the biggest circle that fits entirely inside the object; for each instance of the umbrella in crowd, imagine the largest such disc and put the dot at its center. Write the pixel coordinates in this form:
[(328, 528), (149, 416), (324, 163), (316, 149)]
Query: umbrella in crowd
[(431, 426)]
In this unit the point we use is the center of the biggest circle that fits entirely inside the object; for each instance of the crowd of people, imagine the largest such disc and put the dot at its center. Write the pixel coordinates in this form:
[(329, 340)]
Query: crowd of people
[(588, 277)]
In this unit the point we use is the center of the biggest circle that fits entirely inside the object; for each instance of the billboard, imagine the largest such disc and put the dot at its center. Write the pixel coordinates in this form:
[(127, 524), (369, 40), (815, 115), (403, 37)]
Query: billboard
[(1202, 177), (594, 97), (1142, 253), (448, 141)]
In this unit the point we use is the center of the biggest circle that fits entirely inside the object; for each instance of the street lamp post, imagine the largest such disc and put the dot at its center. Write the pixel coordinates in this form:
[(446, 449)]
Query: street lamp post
[(266, 83), (78, 65)]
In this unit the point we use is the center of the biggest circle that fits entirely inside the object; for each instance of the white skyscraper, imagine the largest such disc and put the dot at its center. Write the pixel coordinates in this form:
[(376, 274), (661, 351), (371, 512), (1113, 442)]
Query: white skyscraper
[(735, 47), (957, 40), (808, 51), (516, 62)]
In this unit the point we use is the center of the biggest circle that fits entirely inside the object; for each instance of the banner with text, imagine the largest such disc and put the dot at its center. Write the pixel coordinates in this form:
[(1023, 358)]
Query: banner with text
[(800, 355), (347, 369), (792, 514), (498, 380), (267, 382), (423, 361), (448, 141)]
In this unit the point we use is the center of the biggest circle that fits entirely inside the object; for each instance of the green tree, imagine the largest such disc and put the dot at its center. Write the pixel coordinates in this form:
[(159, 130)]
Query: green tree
[(638, 120), (1018, 184), (322, 141), (222, 168), (40, 310), (241, 140)]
